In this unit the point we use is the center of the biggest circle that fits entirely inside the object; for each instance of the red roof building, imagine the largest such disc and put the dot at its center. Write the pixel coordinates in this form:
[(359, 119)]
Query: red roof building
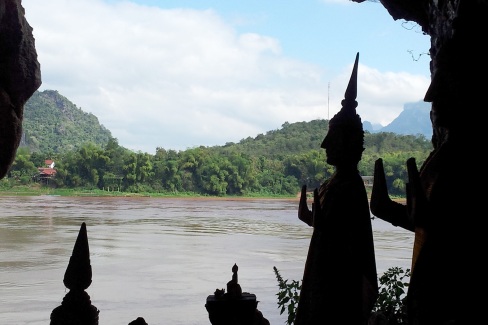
[(48, 172)]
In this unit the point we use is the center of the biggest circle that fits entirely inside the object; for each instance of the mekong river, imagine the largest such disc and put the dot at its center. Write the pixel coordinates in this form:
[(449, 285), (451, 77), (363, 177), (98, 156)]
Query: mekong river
[(158, 258)]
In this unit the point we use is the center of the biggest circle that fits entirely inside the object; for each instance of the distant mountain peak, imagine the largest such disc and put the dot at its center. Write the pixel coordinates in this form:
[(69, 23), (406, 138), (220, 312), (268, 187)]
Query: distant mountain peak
[(52, 123), (413, 120)]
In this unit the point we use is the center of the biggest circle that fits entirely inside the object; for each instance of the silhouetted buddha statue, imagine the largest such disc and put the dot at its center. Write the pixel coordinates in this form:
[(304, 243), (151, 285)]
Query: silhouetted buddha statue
[(339, 281)]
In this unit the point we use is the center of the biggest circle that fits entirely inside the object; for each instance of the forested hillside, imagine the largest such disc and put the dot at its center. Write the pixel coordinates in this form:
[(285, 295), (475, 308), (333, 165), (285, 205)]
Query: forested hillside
[(54, 124), (275, 163), (300, 137)]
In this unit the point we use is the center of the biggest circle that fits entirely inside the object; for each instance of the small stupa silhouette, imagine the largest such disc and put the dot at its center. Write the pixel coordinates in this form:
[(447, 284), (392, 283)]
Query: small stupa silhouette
[(76, 307), (78, 275)]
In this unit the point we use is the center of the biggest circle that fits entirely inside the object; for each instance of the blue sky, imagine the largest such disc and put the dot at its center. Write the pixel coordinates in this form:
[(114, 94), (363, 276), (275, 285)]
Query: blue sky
[(179, 74)]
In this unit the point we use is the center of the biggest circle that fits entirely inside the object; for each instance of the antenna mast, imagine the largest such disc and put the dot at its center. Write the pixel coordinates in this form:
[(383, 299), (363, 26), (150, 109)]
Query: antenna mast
[(328, 99)]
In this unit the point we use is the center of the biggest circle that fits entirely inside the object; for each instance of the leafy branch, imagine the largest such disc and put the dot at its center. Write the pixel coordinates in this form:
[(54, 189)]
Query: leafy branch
[(288, 296)]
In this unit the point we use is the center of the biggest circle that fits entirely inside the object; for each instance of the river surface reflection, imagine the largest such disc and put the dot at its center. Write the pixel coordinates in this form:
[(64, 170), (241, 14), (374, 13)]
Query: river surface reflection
[(158, 258)]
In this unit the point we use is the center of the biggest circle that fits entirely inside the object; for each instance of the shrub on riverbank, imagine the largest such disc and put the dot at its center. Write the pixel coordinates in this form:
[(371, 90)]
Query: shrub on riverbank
[(390, 307)]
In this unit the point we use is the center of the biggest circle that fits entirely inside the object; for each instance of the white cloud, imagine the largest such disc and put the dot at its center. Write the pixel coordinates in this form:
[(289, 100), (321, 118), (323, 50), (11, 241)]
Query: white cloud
[(381, 95), (182, 78)]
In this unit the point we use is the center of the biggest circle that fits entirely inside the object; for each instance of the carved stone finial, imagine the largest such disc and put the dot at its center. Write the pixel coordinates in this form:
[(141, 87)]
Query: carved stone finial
[(78, 275), (76, 307), (234, 307), (235, 268), (233, 287)]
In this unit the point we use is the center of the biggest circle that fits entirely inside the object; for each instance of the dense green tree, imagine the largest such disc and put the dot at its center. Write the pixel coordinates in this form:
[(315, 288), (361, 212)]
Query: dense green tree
[(276, 163), (23, 169)]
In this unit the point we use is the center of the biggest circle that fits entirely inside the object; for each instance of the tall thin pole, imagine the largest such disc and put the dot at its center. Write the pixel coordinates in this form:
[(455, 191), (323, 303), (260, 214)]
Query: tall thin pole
[(328, 99)]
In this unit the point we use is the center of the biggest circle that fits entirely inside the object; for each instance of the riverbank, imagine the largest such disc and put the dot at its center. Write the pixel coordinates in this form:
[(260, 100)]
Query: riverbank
[(44, 191)]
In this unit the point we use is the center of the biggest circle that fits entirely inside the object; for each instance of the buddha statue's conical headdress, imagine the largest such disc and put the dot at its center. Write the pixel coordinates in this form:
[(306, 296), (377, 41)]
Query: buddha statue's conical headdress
[(349, 102), (347, 117)]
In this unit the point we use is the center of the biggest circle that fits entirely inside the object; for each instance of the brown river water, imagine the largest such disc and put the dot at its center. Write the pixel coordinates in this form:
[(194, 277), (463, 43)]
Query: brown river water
[(158, 258)]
